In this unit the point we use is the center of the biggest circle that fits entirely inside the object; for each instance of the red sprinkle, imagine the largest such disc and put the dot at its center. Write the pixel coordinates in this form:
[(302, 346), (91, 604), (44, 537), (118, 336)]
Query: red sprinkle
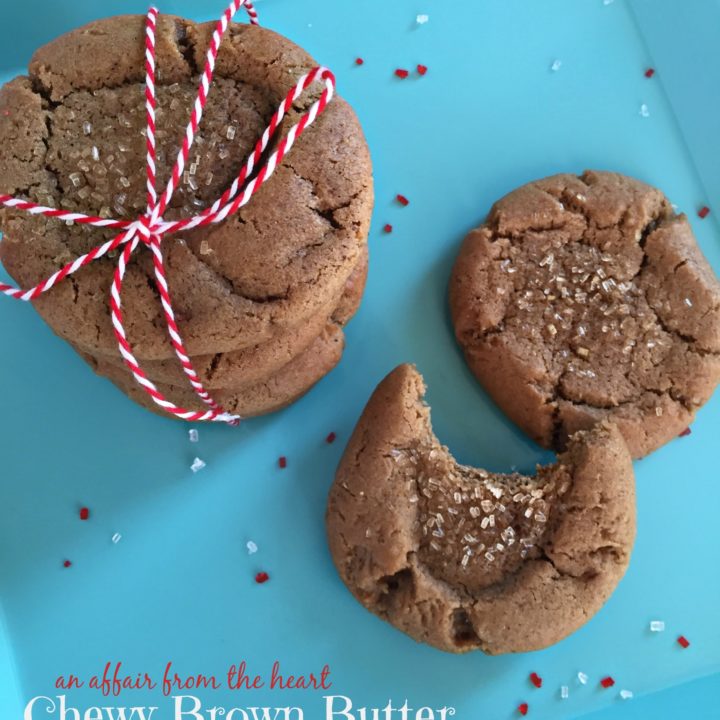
[(402, 200), (523, 708), (402, 74), (685, 432), (703, 212), (261, 577), (387, 228), (422, 69), (359, 61), (84, 513), (282, 461), (607, 682), (330, 438), (536, 680), (6, 113), (67, 563), (683, 642), (649, 72)]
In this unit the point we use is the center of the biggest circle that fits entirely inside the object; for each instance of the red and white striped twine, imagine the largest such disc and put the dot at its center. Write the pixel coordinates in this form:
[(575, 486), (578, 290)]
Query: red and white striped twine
[(150, 229)]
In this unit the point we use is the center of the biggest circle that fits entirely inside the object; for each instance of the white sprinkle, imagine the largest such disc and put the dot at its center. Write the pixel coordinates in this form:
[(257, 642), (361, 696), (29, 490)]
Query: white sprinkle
[(487, 506), (87, 127), (644, 111), (465, 560), (252, 548), (116, 538), (422, 19), (626, 694), (564, 692), (657, 626), (197, 465), (95, 153), (474, 511), (230, 134), (688, 302), (193, 435), (556, 65), (528, 512), (583, 678), (489, 556), (484, 523)]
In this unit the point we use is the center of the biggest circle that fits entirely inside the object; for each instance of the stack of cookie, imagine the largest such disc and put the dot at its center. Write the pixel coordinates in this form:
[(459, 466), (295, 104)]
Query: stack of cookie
[(261, 299)]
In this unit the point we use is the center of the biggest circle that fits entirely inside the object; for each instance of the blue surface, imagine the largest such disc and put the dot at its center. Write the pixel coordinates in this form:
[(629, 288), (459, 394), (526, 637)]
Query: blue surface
[(179, 586)]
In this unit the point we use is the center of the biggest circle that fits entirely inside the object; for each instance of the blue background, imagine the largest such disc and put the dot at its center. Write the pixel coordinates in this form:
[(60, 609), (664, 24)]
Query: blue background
[(488, 116)]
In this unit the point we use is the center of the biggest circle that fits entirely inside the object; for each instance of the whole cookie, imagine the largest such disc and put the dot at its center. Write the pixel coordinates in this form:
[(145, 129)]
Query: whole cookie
[(71, 136), (463, 559), (587, 298)]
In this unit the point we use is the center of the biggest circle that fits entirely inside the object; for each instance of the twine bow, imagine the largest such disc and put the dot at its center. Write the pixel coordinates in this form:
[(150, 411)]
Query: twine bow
[(150, 229)]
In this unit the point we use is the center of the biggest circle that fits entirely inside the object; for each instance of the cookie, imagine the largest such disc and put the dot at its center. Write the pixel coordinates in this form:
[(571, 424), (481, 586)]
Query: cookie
[(245, 367), (587, 298), (464, 559), (71, 136), (265, 396)]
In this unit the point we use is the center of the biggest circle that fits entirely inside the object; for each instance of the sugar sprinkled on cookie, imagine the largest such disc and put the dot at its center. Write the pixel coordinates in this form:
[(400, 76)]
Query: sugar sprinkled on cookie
[(587, 297)]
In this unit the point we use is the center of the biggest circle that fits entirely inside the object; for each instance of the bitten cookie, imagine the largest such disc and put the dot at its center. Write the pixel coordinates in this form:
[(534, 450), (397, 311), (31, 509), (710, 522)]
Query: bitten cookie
[(587, 298), (71, 137), (463, 559)]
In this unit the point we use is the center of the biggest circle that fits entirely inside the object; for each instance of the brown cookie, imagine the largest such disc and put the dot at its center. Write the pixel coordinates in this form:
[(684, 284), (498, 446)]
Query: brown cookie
[(70, 136), (249, 366), (585, 298), (262, 397), (463, 559)]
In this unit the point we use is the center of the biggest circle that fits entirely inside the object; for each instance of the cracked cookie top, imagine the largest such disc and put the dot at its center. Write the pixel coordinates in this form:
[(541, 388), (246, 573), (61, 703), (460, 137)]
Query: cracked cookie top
[(587, 297), (73, 137), (465, 559)]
